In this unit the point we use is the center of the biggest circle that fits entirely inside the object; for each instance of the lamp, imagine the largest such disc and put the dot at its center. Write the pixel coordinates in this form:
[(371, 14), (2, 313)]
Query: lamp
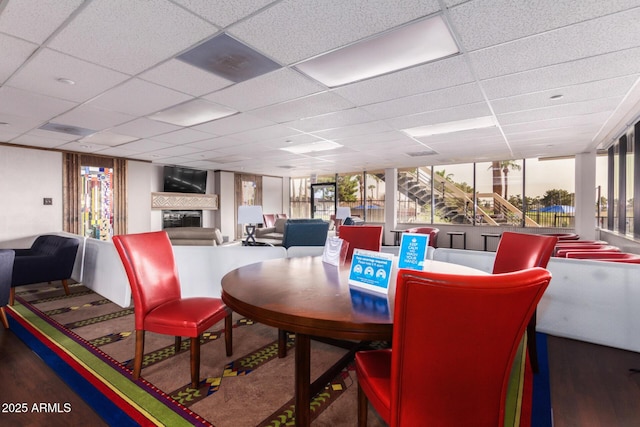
[(250, 215), (343, 213)]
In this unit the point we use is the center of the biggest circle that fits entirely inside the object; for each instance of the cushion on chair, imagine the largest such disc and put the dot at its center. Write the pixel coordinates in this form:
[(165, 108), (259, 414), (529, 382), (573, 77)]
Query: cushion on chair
[(279, 225), (187, 317), (375, 365)]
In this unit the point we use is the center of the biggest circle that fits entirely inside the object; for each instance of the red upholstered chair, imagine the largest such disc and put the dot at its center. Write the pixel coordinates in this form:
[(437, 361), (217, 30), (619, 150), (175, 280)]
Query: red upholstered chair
[(367, 237), (606, 256), (519, 251), (158, 306), (431, 231), (561, 251), (269, 220), (454, 341)]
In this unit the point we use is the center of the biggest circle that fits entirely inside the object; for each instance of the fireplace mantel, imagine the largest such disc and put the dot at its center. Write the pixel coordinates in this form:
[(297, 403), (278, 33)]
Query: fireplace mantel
[(184, 201)]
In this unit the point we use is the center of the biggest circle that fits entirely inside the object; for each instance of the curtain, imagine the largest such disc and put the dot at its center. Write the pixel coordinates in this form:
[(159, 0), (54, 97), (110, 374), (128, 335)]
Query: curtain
[(120, 196), (71, 192)]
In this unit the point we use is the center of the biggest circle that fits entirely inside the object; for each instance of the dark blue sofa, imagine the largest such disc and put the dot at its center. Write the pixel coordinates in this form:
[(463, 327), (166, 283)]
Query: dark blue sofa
[(305, 232), (50, 258)]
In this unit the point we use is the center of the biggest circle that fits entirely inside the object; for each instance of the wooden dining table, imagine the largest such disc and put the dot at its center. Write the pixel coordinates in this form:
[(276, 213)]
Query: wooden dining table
[(313, 299)]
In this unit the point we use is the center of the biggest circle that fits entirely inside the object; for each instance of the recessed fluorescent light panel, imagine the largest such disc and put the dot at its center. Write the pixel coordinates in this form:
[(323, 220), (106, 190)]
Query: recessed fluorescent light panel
[(312, 147), (409, 45), (192, 113), (450, 127), (227, 57)]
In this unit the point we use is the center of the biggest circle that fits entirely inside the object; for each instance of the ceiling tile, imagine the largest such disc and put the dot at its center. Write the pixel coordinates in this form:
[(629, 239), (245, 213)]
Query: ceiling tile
[(423, 78), (93, 118), (182, 136), (42, 72), (185, 78), (309, 106), (35, 20), (587, 39), (564, 110), (130, 36), (272, 88), (14, 53), (339, 119), (226, 12), (144, 128), (582, 92), (233, 124), (138, 97), (293, 30), (477, 22), (469, 111), (600, 67), (145, 145), (428, 101), (28, 104)]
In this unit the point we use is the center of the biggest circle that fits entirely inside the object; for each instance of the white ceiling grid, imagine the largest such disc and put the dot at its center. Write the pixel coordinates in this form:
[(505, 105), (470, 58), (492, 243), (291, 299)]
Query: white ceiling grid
[(514, 56)]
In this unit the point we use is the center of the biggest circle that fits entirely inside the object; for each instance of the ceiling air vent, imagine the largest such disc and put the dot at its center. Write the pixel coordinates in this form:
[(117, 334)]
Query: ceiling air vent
[(227, 57), (68, 129), (421, 153)]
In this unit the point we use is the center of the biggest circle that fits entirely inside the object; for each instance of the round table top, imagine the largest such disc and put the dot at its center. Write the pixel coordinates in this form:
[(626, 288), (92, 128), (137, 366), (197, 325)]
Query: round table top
[(306, 295)]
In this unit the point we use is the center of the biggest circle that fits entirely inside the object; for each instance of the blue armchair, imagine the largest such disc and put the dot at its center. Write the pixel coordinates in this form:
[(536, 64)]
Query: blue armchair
[(50, 258), (305, 232), (6, 270)]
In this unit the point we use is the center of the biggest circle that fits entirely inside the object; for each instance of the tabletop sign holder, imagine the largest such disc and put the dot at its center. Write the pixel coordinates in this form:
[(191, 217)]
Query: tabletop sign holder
[(371, 270), (335, 251), (413, 251)]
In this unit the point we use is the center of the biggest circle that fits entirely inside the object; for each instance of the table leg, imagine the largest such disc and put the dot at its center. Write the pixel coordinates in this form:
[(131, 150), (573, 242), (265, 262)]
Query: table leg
[(303, 379)]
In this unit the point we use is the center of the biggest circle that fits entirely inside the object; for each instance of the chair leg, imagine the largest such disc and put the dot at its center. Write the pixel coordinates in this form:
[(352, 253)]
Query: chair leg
[(228, 335), (531, 343), (65, 284), (137, 360), (3, 315), (195, 362), (282, 343), (177, 344), (12, 296), (363, 407)]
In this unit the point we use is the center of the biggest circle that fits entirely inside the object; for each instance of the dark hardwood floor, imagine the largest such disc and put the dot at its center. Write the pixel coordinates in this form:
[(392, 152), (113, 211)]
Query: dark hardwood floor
[(26, 379), (591, 386)]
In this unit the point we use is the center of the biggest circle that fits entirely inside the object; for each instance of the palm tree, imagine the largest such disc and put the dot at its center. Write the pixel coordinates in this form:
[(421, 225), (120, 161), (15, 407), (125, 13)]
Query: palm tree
[(506, 166)]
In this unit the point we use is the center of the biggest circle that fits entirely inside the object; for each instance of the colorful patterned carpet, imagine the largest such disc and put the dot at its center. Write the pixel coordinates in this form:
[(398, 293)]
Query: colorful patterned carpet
[(89, 341)]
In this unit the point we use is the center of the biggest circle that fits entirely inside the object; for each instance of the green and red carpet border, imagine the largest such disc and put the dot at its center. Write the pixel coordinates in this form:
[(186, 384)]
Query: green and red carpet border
[(103, 383)]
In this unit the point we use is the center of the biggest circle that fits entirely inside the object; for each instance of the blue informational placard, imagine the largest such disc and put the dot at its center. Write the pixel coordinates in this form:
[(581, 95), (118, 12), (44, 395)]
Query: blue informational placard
[(371, 270), (413, 251)]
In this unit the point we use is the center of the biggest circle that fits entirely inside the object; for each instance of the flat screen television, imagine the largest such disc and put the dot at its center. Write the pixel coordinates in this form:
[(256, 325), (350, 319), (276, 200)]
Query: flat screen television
[(184, 180)]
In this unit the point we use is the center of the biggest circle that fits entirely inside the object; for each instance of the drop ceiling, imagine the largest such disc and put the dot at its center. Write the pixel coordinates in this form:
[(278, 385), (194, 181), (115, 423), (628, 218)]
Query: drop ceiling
[(558, 77)]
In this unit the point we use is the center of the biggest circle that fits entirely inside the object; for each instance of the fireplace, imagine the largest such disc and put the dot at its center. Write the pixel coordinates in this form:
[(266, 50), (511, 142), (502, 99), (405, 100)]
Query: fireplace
[(185, 218)]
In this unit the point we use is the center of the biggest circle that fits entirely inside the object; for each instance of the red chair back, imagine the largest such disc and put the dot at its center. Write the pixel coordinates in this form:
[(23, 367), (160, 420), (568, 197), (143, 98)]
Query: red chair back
[(431, 231), (455, 338), (562, 251), (518, 251), (367, 237), (150, 266), (269, 220), (606, 256)]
